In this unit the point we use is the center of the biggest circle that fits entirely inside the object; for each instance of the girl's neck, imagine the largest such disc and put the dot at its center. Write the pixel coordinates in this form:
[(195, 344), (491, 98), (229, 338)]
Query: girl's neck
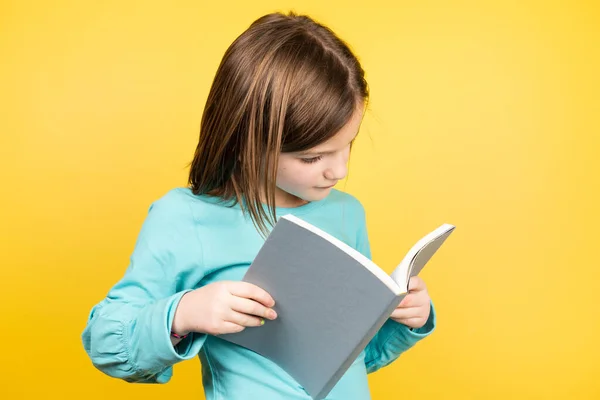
[(284, 199)]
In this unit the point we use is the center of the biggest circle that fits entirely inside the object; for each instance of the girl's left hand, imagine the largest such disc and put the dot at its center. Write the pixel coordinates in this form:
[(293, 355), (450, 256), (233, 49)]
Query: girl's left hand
[(413, 311)]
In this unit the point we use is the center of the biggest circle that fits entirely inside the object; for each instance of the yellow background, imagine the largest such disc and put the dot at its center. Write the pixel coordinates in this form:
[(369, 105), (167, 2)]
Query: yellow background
[(483, 114)]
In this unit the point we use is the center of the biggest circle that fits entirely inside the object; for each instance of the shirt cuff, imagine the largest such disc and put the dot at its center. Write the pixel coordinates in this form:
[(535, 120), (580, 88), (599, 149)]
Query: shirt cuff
[(156, 352)]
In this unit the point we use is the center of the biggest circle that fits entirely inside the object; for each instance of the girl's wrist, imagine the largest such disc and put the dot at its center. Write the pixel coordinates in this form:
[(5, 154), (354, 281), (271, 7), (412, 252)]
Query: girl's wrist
[(178, 336), (178, 328)]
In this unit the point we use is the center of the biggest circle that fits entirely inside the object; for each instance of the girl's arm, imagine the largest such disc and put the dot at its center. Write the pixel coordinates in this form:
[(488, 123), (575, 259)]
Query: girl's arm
[(128, 333), (393, 338)]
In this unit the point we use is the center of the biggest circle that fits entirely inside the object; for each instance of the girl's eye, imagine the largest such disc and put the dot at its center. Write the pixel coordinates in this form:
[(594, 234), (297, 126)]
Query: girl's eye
[(311, 160)]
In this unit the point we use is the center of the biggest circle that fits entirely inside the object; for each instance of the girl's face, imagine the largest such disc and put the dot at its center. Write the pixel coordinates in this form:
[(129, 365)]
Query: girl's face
[(309, 176)]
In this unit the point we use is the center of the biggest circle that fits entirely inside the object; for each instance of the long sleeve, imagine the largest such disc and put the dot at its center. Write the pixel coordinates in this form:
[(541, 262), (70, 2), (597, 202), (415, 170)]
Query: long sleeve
[(393, 338), (128, 333)]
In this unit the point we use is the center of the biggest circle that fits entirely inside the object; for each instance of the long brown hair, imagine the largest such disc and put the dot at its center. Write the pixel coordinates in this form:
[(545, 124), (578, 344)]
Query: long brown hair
[(286, 84)]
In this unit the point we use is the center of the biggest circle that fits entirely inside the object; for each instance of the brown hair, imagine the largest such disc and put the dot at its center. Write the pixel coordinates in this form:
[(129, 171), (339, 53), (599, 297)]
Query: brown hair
[(286, 84)]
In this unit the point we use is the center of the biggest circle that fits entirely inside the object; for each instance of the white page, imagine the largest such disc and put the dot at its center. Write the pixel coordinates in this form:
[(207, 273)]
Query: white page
[(419, 254)]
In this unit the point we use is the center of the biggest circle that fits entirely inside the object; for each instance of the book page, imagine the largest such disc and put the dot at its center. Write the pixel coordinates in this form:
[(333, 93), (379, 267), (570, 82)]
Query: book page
[(420, 254)]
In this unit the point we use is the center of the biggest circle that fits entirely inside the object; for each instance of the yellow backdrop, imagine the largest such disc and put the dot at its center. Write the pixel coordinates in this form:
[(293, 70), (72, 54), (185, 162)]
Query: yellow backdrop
[(483, 114)]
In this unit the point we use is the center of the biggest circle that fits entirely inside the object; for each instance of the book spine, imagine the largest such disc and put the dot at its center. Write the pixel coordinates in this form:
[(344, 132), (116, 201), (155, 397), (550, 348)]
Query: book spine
[(360, 347)]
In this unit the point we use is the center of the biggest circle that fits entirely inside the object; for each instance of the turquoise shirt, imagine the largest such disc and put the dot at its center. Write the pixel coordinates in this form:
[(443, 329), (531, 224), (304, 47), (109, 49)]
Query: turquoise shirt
[(188, 241)]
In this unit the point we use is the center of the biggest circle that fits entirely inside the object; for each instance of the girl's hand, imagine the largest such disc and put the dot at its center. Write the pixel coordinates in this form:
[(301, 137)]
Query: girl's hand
[(222, 307), (413, 311)]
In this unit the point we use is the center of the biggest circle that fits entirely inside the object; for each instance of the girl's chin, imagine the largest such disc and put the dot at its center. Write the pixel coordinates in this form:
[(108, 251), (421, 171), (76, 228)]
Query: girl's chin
[(296, 200)]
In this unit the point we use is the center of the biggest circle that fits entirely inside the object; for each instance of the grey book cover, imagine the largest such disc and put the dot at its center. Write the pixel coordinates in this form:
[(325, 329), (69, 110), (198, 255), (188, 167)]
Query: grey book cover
[(330, 301)]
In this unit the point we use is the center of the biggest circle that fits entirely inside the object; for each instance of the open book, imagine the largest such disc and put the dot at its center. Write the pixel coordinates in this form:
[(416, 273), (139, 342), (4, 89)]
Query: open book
[(330, 300)]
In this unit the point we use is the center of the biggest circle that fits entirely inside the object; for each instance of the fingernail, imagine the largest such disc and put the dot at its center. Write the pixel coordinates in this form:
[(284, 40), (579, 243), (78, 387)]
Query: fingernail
[(273, 314)]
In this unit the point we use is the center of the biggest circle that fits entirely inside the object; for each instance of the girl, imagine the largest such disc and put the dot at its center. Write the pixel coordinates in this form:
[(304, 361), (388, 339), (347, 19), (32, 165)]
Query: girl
[(285, 105)]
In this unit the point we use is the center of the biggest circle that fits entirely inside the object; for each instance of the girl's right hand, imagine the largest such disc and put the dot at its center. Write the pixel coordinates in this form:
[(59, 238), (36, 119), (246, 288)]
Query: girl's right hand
[(222, 307)]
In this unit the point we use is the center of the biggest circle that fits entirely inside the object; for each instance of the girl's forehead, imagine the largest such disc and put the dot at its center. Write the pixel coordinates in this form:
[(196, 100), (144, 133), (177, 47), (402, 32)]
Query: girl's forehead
[(342, 138)]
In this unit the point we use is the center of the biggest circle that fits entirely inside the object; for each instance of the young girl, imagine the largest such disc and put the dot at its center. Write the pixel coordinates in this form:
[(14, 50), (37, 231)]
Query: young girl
[(285, 105)]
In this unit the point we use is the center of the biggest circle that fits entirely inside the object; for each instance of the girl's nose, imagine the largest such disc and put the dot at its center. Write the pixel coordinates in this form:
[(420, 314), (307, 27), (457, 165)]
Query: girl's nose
[(337, 171)]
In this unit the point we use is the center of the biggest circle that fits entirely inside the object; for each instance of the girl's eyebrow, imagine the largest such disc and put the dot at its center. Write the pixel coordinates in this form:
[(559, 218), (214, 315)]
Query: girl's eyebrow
[(314, 153), (319, 153)]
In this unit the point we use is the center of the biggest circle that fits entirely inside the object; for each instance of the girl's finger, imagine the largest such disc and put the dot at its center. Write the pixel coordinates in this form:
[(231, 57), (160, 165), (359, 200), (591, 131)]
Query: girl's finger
[(412, 322), (405, 313), (244, 319), (416, 284), (230, 327), (251, 307), (250, 291), (414, 300)]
